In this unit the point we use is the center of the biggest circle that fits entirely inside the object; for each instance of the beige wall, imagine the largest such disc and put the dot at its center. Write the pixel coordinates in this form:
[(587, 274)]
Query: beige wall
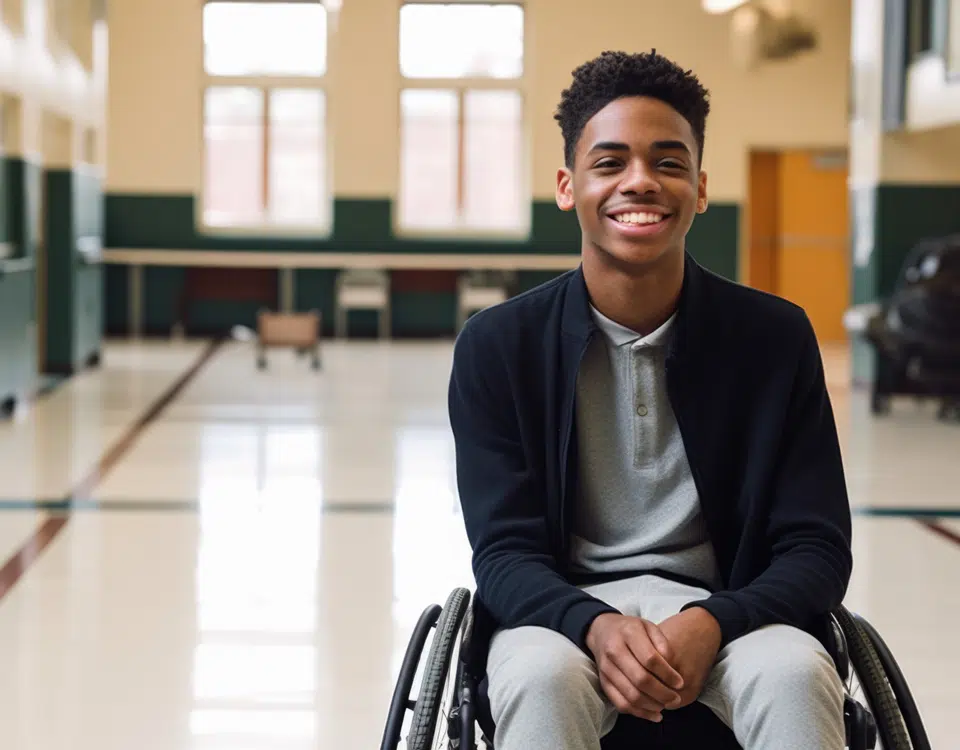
[(928, 157), (924, 154), (155, 85), (47, 76), (933, 99), (153, 109)]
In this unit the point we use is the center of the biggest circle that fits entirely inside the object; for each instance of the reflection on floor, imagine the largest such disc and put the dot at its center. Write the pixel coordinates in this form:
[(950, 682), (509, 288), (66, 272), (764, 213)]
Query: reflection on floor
[(248, 573)]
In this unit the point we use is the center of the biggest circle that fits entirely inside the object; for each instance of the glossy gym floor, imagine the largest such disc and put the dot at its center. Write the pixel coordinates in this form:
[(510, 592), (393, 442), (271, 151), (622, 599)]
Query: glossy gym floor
[(199, 555)]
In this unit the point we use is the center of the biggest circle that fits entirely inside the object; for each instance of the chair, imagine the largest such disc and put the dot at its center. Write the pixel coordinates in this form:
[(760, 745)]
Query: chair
[(362, 289), (477, 290), (452, 687)]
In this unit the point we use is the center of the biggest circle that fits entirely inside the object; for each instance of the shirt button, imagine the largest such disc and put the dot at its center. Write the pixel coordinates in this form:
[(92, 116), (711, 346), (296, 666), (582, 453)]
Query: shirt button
[(642, 410)]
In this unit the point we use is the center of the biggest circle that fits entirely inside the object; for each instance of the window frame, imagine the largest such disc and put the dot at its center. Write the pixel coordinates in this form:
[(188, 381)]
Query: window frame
[(266, 84), (460, 87)]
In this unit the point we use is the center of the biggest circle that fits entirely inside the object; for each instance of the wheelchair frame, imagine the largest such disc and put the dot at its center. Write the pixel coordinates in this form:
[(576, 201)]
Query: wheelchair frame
[(854, 644)]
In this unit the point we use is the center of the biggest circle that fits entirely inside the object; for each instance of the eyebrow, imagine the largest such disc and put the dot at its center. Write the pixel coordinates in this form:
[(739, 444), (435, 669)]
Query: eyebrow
[(658, 145), (671, 146)]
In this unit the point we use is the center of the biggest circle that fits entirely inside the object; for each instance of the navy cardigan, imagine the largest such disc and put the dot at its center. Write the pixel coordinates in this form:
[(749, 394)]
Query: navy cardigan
[(746, 382)]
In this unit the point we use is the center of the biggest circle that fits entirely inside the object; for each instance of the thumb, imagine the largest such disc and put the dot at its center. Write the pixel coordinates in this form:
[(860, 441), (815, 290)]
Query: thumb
[(659, 640)]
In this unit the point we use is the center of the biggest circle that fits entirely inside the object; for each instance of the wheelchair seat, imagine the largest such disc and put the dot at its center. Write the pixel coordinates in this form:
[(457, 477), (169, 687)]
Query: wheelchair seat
[(454, 675), (688, 727)]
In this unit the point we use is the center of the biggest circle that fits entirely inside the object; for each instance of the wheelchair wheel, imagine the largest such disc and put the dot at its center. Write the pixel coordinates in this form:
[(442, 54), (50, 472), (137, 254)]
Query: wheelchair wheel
[(877, 689), (905, 699), (408, 672), (429, 727)]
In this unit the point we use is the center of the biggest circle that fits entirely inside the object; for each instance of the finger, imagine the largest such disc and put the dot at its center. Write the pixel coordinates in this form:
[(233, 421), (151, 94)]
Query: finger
[(647, 684), (624, 706), (659, 640), (634, 697), (640, 677), (652, 660)]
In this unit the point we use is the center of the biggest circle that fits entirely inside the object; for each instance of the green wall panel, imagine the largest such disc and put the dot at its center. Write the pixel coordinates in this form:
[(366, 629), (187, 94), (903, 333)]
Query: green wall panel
[(19, 193), (60, 271), (17, 345), (168, 221), (900, 217), (24, 182), (74, 286)]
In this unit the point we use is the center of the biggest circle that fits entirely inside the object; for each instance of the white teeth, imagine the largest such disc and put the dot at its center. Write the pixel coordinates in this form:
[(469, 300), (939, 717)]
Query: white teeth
[(639, 218)]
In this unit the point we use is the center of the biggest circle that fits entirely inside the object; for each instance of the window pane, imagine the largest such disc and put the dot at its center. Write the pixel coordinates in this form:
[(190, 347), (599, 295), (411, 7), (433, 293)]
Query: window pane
[(298, 188), (428, 156), (953, 37), (459, 41), (493, 148), (268, 38), (233, 145)]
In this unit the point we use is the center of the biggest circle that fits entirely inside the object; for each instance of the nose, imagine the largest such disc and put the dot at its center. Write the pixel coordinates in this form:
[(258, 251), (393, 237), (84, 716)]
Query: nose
[(638, 179)]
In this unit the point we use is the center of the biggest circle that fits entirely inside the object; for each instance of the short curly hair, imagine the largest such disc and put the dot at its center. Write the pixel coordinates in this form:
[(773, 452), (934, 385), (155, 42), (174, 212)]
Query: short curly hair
[(613, 75)]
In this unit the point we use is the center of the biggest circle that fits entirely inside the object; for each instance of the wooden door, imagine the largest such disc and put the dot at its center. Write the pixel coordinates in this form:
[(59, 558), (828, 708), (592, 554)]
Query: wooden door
[(763, 216), (813, 261)]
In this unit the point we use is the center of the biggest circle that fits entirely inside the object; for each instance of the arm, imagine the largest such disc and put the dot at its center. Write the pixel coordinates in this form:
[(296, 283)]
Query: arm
[(503, 501), (809, 526)]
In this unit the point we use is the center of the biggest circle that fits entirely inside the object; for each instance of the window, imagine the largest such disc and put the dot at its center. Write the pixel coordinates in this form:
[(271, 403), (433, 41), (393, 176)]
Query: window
[(953, 38), (264, 115), (920, 27), (462, 155)]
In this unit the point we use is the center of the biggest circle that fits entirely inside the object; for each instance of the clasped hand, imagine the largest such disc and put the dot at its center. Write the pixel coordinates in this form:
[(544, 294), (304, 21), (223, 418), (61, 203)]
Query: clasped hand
[(647, 668)]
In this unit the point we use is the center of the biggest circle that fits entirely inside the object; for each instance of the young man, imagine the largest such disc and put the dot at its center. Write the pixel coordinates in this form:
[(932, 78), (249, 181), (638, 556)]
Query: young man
[(647, 459)]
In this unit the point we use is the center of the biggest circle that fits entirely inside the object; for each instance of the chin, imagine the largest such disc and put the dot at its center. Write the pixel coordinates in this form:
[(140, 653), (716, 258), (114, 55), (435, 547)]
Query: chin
[(638, 255)]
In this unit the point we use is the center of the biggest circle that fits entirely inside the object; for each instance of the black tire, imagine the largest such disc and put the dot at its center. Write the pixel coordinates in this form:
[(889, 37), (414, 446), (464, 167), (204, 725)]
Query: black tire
[(905, 700), (437, 670), (876, 687), (408, 671), (880, 404)]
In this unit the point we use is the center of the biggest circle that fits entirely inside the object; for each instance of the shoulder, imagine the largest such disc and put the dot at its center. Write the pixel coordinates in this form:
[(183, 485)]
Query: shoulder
[(519, 322), (756, 318), (500, 346)]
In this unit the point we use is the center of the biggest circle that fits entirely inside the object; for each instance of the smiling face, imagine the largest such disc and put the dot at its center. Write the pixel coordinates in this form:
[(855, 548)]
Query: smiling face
[(636, 182)]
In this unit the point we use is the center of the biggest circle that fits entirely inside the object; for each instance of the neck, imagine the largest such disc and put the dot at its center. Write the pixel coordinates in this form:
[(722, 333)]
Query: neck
[(640, 298)]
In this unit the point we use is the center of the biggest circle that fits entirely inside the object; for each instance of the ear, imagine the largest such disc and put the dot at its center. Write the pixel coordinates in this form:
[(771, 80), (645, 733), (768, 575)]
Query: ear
[(702, 193), (565, 199)]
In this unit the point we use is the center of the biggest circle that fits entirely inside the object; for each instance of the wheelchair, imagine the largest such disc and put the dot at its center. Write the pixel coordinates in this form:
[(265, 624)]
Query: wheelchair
[(451, 704)]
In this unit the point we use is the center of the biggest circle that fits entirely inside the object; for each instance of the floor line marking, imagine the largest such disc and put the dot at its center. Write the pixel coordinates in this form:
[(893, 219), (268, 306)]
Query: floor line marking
[(18, 564), (941, 530), (67, 505), (903, 512)]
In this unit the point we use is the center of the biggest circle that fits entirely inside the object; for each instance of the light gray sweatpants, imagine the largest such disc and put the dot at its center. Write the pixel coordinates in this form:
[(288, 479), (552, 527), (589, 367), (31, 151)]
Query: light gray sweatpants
[(775, 687)]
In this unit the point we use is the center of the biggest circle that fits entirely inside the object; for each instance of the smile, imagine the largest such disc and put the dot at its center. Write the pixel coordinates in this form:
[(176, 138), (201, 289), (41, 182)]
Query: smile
[(639, 218), (639, 224)]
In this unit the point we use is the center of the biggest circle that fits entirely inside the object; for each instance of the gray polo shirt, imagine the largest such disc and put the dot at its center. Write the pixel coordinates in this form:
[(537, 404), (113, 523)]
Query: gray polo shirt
[(638, 509)]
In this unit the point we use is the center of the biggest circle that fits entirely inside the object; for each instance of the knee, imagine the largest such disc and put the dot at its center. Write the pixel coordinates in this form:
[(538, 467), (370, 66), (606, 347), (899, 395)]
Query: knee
[(800, 666), (545, 667)]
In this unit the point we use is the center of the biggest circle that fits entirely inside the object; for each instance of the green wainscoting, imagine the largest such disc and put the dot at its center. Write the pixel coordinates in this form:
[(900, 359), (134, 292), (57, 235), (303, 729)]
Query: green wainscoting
[(17, 334), (900, 217), (169, 221), (74, 280), (19, 202)]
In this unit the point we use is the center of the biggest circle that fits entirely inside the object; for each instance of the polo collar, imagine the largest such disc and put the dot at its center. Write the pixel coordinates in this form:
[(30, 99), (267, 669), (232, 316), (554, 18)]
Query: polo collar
[(578, 320)]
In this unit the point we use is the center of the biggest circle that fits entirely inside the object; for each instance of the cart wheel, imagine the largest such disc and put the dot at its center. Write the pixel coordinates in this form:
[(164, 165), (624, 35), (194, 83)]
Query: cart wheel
[(880, 404), (949, 410), (261, 362), (315, 363)]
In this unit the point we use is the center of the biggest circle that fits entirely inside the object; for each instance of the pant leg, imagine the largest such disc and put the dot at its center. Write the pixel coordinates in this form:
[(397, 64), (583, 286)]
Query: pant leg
[(778, 687), (545, 692)]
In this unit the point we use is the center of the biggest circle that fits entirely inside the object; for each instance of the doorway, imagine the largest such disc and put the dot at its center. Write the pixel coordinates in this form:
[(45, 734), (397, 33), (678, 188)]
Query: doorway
[(798, 233)]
